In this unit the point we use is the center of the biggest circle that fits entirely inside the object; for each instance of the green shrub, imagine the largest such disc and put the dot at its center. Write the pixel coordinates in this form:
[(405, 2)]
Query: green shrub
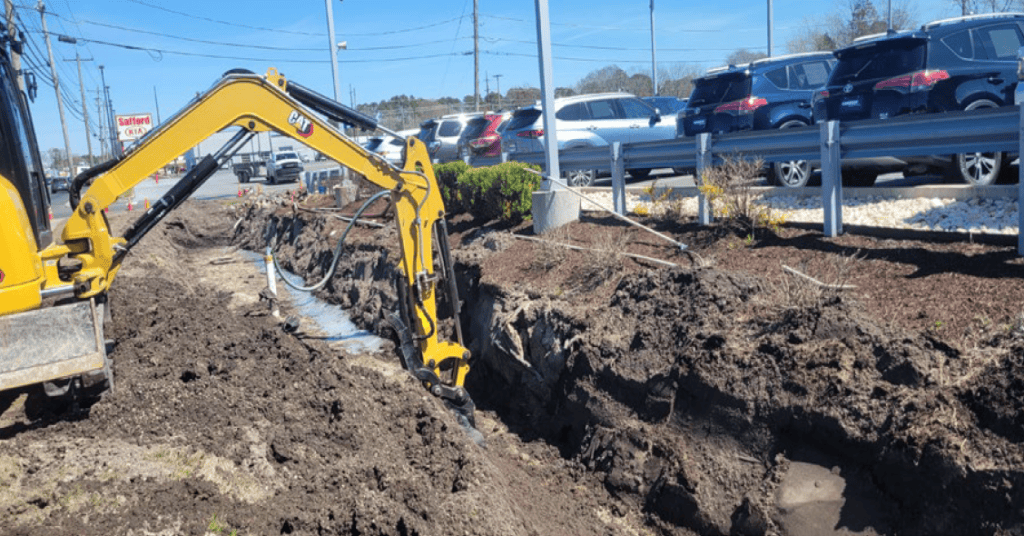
[(448, 180), (499, 192)]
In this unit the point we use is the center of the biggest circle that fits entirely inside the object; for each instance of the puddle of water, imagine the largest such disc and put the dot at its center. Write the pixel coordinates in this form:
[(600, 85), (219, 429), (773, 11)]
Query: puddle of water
[(331, 320)]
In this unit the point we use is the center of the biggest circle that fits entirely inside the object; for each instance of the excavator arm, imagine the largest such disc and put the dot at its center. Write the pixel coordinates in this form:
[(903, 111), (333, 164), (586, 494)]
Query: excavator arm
[(254, 104)]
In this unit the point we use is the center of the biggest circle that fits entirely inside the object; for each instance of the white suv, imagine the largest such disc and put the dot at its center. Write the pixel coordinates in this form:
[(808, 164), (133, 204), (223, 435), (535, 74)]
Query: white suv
[(588, 121), (442, 135)]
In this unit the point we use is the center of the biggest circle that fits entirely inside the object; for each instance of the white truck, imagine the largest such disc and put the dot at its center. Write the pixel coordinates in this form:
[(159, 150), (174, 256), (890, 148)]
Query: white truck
[(284, 166)]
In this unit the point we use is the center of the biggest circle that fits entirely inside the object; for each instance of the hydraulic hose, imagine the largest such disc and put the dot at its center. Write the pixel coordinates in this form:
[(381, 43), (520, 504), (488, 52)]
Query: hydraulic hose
[(337, 250)]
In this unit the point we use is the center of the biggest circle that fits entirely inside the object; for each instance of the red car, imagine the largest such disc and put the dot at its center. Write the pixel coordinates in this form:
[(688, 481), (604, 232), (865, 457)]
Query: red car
[(482, 136)]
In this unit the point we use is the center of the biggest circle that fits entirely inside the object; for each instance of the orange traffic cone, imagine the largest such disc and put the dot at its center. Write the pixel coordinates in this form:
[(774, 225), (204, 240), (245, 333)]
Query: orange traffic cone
[(129, 206), (106, 210), (147, 203), (156, 178), (239, 191), (51, 213)]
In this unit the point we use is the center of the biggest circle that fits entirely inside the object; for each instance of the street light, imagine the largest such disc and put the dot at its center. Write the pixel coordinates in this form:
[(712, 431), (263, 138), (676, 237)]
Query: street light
[(334, 46)]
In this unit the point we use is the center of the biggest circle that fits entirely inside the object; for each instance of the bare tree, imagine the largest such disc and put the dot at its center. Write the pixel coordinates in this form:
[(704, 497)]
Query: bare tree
[(742, 55), (852, 19)]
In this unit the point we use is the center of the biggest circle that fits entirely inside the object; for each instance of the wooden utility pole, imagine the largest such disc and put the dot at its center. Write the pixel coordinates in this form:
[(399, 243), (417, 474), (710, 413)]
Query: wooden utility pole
[(81, 85), (56, 87), (476, 53), (12, 32)]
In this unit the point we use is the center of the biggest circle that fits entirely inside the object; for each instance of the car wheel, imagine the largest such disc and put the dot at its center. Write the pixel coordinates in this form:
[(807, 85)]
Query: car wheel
[(580, 177), (640, 174), (271, 179), (792, 174), (241, 176), (978, 169)]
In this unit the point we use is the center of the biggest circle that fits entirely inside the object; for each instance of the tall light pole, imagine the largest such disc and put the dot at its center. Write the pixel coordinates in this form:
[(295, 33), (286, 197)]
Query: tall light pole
[(654, 56), (771, 22), (115, 144), (476, 55), (497, 80), (334, 49)]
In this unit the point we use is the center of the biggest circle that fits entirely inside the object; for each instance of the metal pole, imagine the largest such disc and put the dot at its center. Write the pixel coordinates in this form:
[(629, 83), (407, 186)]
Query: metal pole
[(15, 57), (831, 179), (99, 127), (157, 102), (888, 24), (115, 145), (771, 22), (1019, 98), (476, 54), (547, 91), (654, 56), (497, 80), (56, 87), (703, 163), (334, 50), (85, 108)]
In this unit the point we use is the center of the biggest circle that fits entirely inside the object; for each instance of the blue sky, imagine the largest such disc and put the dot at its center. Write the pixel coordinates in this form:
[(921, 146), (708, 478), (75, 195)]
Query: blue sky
[(418, 48)]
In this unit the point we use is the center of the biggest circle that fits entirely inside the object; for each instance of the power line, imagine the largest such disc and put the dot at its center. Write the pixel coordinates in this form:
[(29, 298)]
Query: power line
[(622, 49), (621, 29), (278, 30)]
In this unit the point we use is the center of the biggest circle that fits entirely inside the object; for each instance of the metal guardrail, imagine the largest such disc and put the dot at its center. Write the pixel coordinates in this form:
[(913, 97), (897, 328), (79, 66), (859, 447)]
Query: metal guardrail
[(983, 130)]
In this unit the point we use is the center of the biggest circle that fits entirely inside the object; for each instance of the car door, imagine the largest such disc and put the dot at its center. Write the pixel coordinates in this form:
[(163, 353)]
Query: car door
[(995, 48), (607, 122), (645, 123)]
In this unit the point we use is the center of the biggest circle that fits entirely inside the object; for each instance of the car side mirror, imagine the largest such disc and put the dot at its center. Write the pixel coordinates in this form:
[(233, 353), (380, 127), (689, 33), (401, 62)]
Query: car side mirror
[(656, 118)]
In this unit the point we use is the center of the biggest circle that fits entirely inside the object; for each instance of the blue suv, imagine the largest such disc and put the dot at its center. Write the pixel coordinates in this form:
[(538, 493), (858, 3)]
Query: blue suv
[(764, 94)]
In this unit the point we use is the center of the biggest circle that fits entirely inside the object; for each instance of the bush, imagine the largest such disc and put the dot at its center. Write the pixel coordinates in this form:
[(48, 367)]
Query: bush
[(448, 180), (501, 192)]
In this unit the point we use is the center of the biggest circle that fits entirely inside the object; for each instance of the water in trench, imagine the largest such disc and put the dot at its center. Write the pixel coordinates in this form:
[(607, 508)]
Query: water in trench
[(331, 321)]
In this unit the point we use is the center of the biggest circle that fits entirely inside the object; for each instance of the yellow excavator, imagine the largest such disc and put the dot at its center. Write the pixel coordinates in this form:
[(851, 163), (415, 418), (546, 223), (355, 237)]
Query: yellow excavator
[(53, 293)]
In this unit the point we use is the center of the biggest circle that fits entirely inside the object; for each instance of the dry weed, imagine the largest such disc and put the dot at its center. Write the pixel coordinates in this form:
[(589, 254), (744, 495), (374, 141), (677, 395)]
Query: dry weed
[(729, 190), (549, 254), (801, 292)]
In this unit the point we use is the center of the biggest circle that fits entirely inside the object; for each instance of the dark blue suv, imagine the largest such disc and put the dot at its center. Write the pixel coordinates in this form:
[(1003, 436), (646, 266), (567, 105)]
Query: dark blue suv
[(964, 63), (764, 94)]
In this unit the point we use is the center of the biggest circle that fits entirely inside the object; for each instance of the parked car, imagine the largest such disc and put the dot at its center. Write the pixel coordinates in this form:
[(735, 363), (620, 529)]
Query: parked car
[(442, 135), (387, 146), (482, 135), (765, 94), (666, 105), (594, 120), (965, 63), (59, 183)]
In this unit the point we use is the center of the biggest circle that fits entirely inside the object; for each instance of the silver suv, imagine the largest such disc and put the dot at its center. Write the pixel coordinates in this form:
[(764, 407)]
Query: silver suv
[(588, 121), (442, 135)]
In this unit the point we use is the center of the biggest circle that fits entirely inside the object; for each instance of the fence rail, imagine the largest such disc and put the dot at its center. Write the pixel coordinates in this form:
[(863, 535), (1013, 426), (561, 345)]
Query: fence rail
[(983, 130)]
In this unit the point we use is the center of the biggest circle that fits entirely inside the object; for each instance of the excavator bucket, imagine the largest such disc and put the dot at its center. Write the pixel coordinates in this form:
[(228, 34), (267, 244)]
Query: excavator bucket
[(52, 343)]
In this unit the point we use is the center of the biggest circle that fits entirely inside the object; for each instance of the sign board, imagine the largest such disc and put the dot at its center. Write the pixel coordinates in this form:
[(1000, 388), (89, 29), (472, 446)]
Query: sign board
[(133, 127)]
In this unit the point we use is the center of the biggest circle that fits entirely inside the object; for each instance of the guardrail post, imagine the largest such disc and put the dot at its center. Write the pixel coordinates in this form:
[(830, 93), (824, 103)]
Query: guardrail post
[(831, 179), (703, 162), (618, 179), (504, 157)]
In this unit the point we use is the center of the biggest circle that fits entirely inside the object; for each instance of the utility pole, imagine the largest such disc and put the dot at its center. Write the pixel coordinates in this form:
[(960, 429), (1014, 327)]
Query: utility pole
[(497, 79), (56, 86), (81, 85), (99, 126), (12, 31), (771, 22), (654, 56), (115, 146), (476, 53)]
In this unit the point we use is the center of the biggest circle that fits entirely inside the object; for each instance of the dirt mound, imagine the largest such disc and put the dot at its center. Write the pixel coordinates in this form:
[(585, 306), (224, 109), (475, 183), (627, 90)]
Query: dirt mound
[(692, 392)]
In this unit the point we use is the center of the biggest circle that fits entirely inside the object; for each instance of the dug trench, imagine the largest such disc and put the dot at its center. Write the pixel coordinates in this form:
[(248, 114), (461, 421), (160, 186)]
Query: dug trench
[(706, 399)]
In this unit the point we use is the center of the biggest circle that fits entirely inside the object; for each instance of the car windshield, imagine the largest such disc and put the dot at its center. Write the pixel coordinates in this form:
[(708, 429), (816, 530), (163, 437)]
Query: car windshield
[(523, 119), (373, 144), (883, 59), (286, 156), (724, 88)]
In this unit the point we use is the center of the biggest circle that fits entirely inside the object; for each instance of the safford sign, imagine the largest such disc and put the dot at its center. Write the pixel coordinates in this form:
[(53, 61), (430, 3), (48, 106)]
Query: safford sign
[(133, 127)]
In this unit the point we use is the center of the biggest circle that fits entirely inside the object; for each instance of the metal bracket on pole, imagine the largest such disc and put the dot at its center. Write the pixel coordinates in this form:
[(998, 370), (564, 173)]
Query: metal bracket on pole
[(618, 179), (703, 163), (831, 179)]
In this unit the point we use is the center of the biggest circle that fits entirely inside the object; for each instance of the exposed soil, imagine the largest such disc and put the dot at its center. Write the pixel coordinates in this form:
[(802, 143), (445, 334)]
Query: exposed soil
[(725, 395)]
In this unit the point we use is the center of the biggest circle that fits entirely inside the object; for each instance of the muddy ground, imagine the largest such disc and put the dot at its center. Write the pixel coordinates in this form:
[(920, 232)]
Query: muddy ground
[(725, 395)]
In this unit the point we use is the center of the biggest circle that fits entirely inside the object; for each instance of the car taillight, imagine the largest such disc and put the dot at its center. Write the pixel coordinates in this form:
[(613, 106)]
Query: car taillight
[(531, 134), (823, 94), (746, 105), (913, 81)]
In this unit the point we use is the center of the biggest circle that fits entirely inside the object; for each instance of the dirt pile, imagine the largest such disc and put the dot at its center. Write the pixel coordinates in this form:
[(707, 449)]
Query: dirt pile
[(699, 395)]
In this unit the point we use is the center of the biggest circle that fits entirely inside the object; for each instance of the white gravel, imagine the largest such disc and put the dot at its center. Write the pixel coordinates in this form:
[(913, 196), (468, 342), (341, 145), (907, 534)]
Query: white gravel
[(993, 216)]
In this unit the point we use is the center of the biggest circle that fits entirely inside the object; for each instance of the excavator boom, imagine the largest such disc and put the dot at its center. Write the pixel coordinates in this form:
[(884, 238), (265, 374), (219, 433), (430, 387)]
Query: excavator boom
[(252, 103)]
